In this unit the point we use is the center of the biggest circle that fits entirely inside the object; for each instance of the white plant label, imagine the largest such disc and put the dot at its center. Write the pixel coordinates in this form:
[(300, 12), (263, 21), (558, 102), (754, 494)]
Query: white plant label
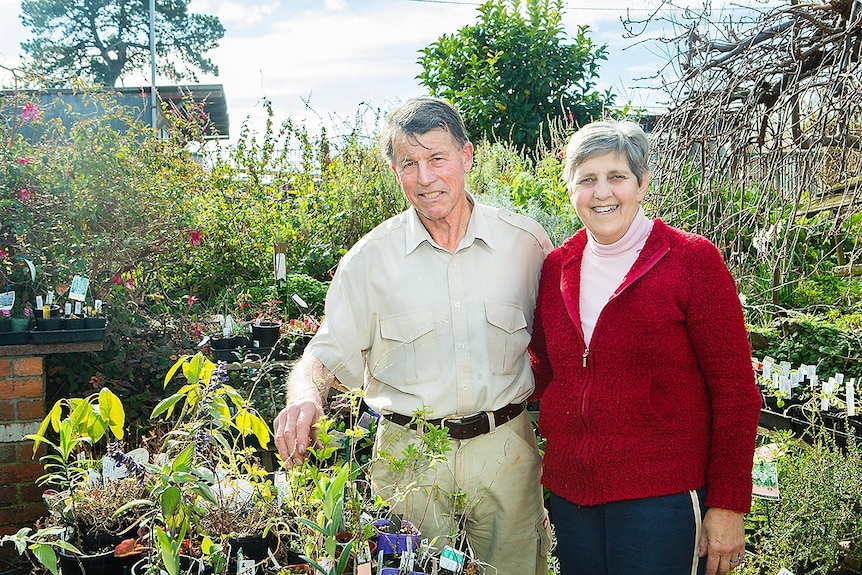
[(451, 559), (78, 291)]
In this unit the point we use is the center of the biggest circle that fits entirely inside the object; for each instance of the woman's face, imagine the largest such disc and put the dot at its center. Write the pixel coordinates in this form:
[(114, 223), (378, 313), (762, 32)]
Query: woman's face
[(606, 195)]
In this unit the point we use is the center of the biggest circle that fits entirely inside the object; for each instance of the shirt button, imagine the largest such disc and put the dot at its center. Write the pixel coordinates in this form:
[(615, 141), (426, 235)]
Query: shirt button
[(460, 346), (457, 304)]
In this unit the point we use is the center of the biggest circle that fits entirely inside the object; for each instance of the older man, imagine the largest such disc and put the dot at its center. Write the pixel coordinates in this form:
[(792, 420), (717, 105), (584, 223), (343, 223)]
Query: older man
[(432, 310)]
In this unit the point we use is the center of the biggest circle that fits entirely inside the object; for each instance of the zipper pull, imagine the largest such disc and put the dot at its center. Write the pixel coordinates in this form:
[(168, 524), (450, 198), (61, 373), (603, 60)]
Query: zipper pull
[(586, 353)]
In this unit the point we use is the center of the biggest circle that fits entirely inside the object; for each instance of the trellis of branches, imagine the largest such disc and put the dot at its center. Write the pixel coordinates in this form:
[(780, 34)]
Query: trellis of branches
[(761, 146)]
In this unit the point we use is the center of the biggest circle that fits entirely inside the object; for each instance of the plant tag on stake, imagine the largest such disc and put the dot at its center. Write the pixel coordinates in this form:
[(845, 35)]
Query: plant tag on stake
[(7, 300), (851, 397), (767, 367), (451, 559), (363, 559), (299, 301), (244, 566), (78, 291)]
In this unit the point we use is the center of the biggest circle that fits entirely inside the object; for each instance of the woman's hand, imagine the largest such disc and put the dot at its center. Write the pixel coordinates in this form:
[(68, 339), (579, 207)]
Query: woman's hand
[(722, 540)]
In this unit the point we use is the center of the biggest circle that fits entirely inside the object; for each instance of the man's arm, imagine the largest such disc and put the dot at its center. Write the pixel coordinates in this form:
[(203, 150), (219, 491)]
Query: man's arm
[(309, 383)]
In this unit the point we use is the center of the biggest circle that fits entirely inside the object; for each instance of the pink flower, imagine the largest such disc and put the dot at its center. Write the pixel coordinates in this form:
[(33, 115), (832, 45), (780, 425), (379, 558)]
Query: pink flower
[(192, 300), (3, 254), (117, 279), (23, 161), (130, 283), (195, 237), (24, 194), (29, 111)]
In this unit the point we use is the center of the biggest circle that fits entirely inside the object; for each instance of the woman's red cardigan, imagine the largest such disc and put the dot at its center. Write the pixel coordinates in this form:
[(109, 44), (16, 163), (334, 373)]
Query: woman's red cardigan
[(665, 400)]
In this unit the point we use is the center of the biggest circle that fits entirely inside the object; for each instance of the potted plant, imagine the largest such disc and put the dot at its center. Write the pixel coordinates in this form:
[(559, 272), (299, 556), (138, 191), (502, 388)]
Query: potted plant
[(299, 332), (207, 485), (90, 511), (265, 333), (13, 330)]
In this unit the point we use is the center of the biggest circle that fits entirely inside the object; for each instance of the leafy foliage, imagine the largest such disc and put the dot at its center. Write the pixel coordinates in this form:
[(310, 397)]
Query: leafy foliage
[(819, 508), (104, 41), (815, 341), (511, 74)]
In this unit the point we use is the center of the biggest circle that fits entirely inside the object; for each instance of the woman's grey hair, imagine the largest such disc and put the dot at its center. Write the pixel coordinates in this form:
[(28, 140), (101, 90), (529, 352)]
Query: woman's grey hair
[(417, 116), (600, 138)]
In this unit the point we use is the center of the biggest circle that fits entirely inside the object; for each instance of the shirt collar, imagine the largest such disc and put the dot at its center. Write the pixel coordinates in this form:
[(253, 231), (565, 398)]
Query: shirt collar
[(477, 229)]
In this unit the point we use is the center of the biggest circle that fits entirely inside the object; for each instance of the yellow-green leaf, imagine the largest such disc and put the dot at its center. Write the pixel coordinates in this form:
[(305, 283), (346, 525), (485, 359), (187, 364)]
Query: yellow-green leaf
[(111, 411), (179, 363)]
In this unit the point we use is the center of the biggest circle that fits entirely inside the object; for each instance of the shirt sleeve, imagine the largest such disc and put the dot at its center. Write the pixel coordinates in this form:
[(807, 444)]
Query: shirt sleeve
[(344, 333)]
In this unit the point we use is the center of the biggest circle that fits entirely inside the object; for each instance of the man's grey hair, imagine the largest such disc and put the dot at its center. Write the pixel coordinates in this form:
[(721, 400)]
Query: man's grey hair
[(417, 116), (599, 138)]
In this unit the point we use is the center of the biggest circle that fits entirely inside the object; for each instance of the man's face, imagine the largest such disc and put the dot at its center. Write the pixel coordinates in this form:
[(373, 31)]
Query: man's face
[(430, 168)]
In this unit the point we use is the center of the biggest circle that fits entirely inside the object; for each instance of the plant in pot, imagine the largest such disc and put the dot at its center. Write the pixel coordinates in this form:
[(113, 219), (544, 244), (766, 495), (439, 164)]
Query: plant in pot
[(298, 333), (209, 481), (226, 338), (815, 526), (331, 500), (90, 511)]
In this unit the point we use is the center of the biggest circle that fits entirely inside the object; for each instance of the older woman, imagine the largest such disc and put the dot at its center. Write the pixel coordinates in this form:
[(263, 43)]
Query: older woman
[(648, 398)]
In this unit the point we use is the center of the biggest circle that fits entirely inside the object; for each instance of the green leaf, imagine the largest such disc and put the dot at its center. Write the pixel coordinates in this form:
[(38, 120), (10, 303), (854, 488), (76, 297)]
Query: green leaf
[(169, 551), (170, 500), (46, 556), (165, 405), (183, 461), (261, 431)]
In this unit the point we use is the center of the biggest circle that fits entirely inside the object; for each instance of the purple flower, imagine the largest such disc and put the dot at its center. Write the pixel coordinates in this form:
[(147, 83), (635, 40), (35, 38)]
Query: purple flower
[(123, 460)]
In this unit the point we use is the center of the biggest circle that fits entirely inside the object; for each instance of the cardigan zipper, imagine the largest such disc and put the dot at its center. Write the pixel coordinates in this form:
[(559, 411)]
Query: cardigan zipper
[(586, 353)]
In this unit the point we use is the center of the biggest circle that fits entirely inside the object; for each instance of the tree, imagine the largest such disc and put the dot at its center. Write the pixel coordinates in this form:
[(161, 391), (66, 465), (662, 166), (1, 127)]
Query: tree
[(510, 75), (104, 40), (761, 146)]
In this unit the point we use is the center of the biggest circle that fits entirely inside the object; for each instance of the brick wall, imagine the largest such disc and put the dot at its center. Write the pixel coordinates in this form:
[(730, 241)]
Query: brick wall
[(22, 408)]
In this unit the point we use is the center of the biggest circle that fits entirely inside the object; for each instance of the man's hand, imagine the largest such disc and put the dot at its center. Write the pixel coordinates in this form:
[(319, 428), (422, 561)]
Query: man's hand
[(294, 426), (294, 430), (722, 540)]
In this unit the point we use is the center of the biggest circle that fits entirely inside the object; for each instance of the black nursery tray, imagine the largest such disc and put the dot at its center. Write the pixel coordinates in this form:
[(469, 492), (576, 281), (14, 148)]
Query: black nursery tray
[(14, 337), (67, 335)]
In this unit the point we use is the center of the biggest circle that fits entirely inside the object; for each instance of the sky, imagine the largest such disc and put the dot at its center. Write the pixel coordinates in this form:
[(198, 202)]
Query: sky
[(331, 63)]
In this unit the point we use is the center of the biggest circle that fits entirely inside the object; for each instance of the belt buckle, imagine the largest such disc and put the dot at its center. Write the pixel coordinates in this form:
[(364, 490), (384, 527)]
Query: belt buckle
[(463, 420)]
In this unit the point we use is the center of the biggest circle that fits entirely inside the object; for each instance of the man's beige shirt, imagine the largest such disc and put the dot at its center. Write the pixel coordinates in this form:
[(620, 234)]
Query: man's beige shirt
[(422, 328)]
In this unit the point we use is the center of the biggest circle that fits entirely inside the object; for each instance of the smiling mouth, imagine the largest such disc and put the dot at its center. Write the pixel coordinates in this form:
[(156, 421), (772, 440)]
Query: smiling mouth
[(431, 195), (605, 209)]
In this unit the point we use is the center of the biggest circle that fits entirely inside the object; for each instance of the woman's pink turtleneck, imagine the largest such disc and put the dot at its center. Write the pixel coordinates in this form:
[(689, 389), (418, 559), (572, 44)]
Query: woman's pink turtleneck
[(605, 266)]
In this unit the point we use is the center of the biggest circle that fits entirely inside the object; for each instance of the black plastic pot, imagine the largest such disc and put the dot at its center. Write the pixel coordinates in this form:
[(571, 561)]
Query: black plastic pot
[(188, 566), (254, 547), (74, 323), (232, 342), (265, 333), (54, 311), (50, 324), (98, 564)]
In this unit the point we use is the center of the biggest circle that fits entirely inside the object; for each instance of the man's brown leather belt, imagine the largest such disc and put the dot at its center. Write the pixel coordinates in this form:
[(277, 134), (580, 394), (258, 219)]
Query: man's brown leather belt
[(466, 426)]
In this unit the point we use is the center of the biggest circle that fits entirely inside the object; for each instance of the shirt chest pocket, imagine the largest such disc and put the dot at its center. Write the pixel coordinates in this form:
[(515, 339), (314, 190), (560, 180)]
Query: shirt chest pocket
[(407, 352), (508, 337)]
